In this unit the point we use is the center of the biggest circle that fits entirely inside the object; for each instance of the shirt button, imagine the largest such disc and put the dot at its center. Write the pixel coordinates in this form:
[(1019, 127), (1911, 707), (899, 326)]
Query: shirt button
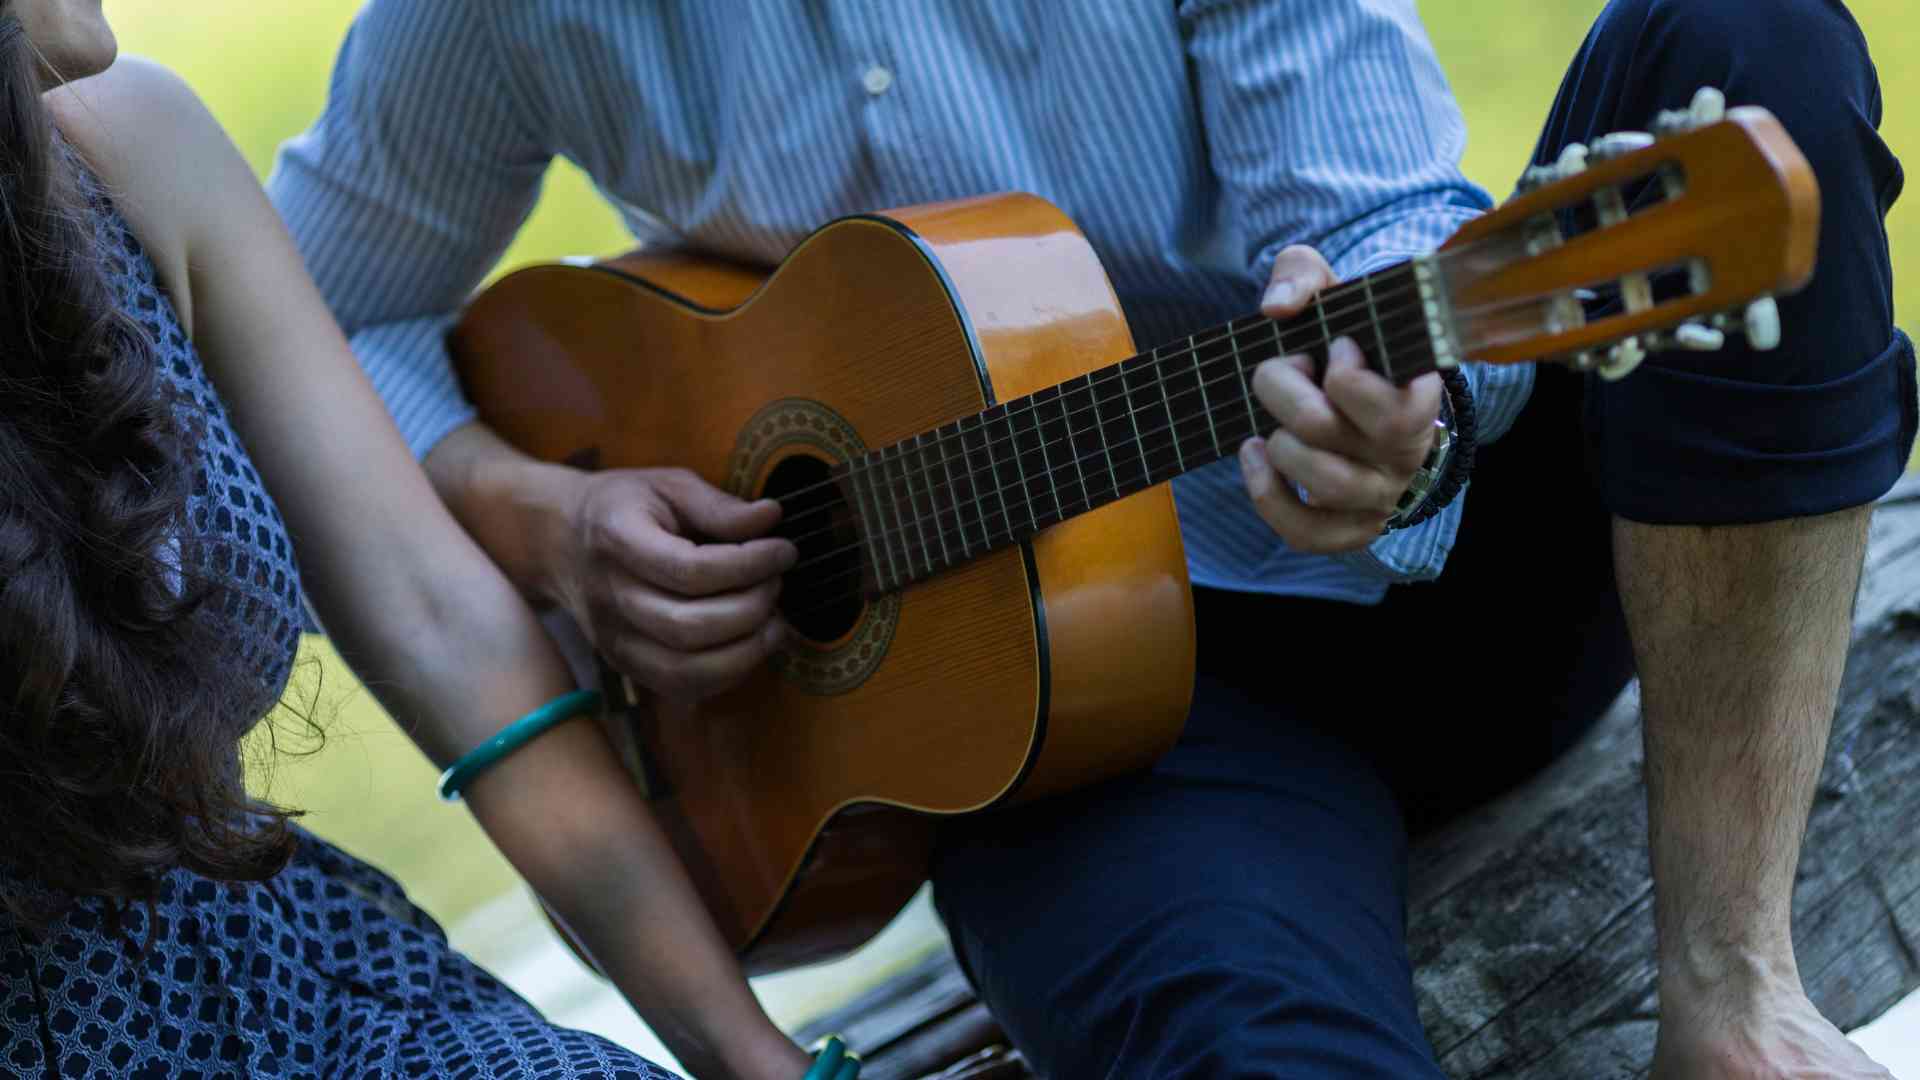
[(878, 80)]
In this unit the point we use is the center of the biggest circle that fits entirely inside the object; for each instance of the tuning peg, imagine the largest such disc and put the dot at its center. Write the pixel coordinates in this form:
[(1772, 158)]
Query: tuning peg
[(1709, 106), (1697, 337), (1762, 324), (1622, 359), (1536, 176), (1618, 144), (1572, 161), (1699, 278)]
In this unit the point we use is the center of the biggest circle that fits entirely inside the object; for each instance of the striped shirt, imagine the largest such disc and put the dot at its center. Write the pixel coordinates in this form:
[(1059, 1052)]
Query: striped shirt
[(1190, 141)]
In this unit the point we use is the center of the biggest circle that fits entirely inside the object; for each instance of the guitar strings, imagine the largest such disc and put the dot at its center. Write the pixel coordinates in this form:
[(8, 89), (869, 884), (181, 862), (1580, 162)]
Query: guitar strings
[(1228, 332), (883, 531), (1077, 464), (998, 488), (1322, 335), (919, 521), (1236, 373)]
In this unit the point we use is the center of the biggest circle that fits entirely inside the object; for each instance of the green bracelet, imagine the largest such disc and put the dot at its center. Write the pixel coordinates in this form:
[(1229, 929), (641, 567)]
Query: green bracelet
[(833, 1061), (513, 737)]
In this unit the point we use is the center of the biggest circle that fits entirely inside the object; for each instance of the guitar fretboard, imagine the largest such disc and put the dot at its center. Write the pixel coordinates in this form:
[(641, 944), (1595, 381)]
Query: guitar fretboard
[(1001, 476)]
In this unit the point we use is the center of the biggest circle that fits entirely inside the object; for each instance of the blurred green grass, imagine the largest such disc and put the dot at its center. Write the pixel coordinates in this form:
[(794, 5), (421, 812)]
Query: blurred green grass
[(262, 69)]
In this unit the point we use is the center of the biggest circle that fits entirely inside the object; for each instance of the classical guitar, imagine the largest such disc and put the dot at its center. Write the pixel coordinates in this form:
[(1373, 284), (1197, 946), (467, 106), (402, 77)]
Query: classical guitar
[(991, 600)]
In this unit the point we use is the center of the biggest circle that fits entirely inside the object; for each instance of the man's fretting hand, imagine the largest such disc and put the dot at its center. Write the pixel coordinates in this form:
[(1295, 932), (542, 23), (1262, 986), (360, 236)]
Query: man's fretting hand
[(1352, 442)]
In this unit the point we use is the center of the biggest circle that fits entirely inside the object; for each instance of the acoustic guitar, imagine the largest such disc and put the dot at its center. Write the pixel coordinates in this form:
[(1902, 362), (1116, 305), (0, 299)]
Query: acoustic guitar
[(991, 601)]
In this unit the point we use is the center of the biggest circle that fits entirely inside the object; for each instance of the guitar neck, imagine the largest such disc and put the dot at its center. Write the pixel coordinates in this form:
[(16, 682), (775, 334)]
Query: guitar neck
[(1000, 476)]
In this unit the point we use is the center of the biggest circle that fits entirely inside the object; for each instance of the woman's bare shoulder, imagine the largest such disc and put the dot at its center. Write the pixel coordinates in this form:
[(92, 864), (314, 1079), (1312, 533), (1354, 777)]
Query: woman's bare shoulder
[(160, 153)]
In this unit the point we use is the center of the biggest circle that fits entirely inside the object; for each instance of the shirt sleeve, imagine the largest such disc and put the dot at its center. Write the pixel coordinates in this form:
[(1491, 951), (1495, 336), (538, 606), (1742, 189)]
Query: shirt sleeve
[(1330, 123), (407, 190)]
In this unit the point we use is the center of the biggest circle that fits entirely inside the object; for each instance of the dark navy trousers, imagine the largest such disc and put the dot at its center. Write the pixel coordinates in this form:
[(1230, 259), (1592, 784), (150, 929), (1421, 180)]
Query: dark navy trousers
[(1240, 910)]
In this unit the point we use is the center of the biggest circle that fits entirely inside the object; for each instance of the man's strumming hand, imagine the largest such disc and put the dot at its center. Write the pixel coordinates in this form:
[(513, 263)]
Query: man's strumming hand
[(674, 581)]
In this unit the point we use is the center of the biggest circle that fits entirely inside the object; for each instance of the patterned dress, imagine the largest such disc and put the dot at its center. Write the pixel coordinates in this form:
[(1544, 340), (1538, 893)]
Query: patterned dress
[(324, 971)]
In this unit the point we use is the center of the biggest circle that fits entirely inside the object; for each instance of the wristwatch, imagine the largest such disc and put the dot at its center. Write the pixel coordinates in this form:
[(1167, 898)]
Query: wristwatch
[(1440, 477)]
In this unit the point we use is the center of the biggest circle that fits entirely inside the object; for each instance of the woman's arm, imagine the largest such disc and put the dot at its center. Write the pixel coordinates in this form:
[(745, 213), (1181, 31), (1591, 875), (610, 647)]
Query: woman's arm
[(425, 619)]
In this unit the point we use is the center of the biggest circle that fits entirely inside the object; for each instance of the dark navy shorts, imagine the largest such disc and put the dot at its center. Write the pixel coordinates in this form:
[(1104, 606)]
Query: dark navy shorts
[(1239, 911)]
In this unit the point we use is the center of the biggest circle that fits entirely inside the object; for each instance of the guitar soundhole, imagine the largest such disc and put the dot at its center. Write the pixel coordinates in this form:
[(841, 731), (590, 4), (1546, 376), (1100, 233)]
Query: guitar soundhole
[(821, 597)]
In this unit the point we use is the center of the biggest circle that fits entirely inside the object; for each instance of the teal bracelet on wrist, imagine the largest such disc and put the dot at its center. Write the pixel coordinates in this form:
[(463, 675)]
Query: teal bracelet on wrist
[(833, 1061), (513, 737)]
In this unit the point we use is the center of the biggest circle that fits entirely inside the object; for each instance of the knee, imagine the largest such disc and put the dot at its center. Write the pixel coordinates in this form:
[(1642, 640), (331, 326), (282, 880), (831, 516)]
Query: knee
[(1797, 58), (1805, 61)]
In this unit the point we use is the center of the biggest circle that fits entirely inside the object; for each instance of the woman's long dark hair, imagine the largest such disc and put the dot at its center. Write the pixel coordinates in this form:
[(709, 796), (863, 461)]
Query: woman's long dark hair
[(119, 753)]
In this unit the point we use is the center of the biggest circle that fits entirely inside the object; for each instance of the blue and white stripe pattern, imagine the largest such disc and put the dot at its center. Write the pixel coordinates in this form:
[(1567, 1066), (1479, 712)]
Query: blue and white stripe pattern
[(1191, 142)]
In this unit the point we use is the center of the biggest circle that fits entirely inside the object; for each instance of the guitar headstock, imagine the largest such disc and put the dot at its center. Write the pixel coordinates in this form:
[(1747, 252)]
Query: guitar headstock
[(1726, 216)]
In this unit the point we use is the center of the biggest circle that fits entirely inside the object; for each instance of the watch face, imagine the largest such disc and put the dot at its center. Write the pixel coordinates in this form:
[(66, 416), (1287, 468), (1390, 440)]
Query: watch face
[(1426, 476)]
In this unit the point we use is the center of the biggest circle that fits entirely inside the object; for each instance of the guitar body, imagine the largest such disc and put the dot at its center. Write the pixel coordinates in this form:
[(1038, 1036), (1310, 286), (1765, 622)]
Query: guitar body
[(803, 804)]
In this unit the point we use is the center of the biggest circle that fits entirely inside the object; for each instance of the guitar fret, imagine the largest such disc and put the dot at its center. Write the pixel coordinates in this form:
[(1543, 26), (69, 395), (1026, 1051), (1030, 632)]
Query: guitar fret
[(1126, 394), (893, 500), (1206, 404), (993, 470), (1073, 450), (1379, 337), (1246, 388), (972, 475), (1026, 489), (1106, 448), (1173, 426), (1046, 459), (953, 492), (879, 519), (933, 505)]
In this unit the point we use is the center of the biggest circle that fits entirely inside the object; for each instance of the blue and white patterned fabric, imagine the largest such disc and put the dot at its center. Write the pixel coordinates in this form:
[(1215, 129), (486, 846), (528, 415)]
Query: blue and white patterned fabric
[(242, 542), (324, 971), (1190, 141), (327, 970)]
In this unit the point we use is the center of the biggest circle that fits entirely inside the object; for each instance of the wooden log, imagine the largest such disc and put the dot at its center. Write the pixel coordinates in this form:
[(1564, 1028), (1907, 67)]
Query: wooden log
[(1531, 920)]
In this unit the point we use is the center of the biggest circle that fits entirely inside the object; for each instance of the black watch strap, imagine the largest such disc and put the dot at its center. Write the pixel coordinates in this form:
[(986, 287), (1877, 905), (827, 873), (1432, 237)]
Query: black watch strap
[(1465, 427)]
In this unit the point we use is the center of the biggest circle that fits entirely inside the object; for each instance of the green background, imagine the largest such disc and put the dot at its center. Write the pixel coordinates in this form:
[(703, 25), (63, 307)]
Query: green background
[(263, 67)]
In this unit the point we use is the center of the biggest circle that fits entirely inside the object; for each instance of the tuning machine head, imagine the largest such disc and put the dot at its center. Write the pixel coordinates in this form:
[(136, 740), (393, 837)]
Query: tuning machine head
[(1709, 106), (1622, 357), (1759, 321), (1571, 162), (1616, 362), (1698, 337), (1618, 144), (1690, 336)]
